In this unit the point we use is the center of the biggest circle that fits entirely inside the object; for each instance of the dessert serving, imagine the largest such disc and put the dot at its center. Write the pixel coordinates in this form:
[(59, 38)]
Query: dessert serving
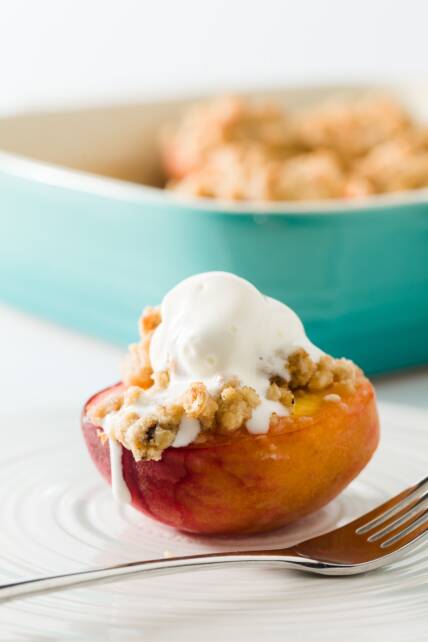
[(236, 149), (228, 419)]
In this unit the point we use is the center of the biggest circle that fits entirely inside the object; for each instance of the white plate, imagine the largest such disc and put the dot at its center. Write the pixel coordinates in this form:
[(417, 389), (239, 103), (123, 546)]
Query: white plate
[(56, 514)]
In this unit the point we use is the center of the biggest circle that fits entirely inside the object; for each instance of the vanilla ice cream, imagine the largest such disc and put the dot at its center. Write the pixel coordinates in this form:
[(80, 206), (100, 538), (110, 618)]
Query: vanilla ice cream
[(217, 326)]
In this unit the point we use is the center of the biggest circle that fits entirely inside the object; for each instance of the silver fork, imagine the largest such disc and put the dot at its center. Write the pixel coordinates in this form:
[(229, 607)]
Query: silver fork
[(377, 538)]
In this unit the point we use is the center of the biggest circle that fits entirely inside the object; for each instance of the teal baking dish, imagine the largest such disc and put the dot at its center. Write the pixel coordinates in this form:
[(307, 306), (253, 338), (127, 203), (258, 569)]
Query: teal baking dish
[(85, 243)]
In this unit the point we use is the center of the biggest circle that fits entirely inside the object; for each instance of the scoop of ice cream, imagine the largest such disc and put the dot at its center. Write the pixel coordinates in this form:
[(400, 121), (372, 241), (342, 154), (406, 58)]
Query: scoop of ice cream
[(217, 325)]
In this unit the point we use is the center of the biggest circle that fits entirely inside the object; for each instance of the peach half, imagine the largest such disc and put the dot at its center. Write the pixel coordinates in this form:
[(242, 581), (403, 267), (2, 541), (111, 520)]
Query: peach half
[(246, 483)]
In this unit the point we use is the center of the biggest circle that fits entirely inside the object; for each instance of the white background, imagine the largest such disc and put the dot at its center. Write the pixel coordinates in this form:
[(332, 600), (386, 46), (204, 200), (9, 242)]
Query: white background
[(61, 52)]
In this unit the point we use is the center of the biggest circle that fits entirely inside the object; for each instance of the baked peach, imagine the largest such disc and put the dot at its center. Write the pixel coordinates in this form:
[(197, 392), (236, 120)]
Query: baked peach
[(245, 483)]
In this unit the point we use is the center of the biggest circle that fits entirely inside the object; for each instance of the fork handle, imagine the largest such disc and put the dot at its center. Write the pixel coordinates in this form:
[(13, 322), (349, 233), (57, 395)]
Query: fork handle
[(153, 567)]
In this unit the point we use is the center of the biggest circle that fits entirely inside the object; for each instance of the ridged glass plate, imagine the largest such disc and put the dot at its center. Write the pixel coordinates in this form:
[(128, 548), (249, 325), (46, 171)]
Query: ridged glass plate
[(56, 515)]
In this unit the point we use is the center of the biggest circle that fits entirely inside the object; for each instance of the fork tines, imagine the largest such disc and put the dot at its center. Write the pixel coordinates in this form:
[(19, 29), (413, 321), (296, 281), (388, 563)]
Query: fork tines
[(411, 511)]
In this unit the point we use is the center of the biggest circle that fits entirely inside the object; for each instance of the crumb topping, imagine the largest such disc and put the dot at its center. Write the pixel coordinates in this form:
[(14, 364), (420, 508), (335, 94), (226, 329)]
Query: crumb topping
[(198, 404), (280, 392), (225, 411), (136, 369), (235, 149), (109, 404), (235, 406)]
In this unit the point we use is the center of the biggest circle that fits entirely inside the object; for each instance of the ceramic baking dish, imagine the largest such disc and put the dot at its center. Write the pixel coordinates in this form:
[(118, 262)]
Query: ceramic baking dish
[(85, 242)]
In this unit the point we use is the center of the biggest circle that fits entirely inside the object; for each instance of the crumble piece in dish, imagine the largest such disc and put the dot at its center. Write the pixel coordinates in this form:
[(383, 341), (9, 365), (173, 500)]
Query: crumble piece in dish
[(228, 120)]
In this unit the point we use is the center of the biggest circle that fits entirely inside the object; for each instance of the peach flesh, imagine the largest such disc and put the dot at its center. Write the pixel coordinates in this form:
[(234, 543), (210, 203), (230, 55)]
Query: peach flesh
[(248, 483)]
